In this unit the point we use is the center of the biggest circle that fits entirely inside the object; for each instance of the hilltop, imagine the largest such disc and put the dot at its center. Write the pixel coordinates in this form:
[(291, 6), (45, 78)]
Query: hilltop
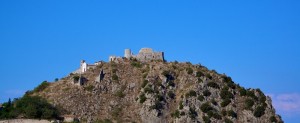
[(156, 91)]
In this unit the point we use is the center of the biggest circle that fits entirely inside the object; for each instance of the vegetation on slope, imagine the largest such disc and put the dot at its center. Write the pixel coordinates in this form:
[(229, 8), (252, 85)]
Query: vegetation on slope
[(31, 107)]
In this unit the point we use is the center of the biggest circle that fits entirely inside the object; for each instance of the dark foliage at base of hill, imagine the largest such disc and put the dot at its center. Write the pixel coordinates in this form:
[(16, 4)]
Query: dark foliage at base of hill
[(32, 107)]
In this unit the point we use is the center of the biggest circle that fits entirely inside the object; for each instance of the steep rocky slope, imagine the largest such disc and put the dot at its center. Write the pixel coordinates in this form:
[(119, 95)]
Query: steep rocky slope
[(158, 92)]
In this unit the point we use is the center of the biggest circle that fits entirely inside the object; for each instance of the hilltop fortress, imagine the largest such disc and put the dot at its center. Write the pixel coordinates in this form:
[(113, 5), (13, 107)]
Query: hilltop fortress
[(144, 55)]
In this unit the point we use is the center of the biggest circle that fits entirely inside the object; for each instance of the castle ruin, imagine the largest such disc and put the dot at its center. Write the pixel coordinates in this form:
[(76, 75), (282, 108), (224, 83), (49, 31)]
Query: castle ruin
[(144, 55)]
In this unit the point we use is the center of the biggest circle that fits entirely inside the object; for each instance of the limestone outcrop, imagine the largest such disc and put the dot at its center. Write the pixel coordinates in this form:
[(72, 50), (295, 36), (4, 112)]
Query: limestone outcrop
[(158, 92)]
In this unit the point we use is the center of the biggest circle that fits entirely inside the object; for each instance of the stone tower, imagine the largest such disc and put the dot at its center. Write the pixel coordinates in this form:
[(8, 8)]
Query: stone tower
[(127, 53)]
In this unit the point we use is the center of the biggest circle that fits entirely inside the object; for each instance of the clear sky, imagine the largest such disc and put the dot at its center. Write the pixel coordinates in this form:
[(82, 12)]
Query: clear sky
[(256, 42)]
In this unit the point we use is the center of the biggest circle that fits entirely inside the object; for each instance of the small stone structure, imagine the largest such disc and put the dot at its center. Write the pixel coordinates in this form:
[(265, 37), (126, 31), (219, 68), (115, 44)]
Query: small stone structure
[(100, 77), (144, 55)]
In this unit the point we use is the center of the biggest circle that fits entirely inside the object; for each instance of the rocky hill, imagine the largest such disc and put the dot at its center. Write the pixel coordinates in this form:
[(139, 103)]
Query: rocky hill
[(157, 92)]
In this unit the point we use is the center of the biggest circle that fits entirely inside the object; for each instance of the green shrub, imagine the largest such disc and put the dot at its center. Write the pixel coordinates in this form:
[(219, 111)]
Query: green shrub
[(206, 107), (158, 106), (142, 98), (192, 113), (115, 77), (114, 70), (171, 83), (232, 114), (214, 102), (242, 91), (136, 64), (217, 116), (176, 114), (41, 87), (224, 112), (208, 76), (227, 79), (182, 113), (227, 120), (225, 94), (249, 103), (159, 97), (225, 102), (213, 85), (259, 111), (210, 113), (148, 90), (200, 80), (181, 105), (165, 73), (191, 93), (200, 97), (262, 98), (206, 119), (273, 119), (229, 82), (76, 78), (199, 74), (145, 75), (251, 94), (33, 107), (171, 94), (145, 82), (189, 70), (89, 88), (206, 93)]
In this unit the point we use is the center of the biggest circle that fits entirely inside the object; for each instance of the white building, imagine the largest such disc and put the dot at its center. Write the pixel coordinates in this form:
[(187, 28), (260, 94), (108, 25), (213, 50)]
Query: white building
[(84, 66)]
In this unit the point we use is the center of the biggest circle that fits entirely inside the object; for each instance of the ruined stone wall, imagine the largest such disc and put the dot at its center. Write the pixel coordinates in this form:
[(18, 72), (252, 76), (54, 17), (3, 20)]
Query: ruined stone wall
[(150, 56), (144, 55)]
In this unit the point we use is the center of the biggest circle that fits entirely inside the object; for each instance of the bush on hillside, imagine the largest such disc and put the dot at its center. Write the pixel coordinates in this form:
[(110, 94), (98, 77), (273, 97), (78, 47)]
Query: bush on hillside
[(189, 70), (225, 102), (213, 85), (191, 93), (249, 103), (142, 98), (259, 111), (206, 107), (206, 93), (199, 74), (30, 108), (41, 87), (200, 97), (225, 94), (145, 82), (115, 77)]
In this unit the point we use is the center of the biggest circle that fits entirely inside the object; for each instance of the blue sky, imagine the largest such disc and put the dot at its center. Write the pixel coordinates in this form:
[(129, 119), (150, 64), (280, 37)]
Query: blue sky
[(255, 42)]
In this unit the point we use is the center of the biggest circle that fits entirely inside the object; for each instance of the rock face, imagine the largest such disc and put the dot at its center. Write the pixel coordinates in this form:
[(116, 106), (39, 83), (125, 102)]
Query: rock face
[(159, 92)]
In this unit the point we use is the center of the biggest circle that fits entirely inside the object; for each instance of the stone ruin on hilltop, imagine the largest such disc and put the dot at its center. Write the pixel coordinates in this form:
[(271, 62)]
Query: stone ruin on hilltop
[(144, 55)]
